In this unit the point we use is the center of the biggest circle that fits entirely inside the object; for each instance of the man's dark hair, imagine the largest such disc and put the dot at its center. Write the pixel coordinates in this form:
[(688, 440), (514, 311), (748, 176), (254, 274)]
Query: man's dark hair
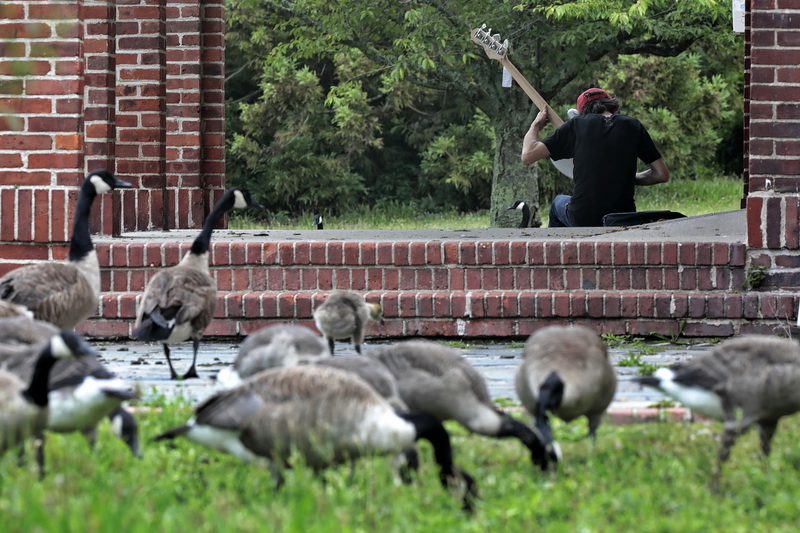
[(600, 106)]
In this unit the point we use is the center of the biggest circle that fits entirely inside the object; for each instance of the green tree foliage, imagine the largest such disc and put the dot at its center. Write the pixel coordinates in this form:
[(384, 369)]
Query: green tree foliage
[(391, 98)]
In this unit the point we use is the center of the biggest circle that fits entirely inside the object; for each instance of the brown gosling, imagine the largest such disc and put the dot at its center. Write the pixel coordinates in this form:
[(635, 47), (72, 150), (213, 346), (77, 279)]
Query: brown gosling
[(343, 315), (276, 346)]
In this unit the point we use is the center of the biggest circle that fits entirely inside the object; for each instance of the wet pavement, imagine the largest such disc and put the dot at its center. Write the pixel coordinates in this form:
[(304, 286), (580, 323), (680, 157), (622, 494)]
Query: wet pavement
[(146, 367)]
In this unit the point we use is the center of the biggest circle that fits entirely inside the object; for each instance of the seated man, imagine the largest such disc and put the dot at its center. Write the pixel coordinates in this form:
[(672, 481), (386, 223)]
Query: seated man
[(605, 147)]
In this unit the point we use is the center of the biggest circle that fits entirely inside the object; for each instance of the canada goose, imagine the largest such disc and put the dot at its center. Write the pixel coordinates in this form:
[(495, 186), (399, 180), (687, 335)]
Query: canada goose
[(526, 212), (317, 222), (179, 301), (373, 372), (343, 315), (81, 391), (437, 380), (377, 376), (566, 371), (280, 345), (65, 294), (326, 414), (743, 381), (23, 409), (10, 309)]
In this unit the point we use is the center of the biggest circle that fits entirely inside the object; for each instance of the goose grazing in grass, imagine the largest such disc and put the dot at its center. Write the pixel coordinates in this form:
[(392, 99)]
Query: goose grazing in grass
[(82, 392), (521, 205), (377, 376), (277, 346), (343, 315), (565, 371), (179, 301), (743, 381), (65, 294), (437, 380), (327, 415), (24, 409), (317, 222)]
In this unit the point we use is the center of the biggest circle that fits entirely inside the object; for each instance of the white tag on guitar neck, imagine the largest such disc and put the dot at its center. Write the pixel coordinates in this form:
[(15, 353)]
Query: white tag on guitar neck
[(507, 79)]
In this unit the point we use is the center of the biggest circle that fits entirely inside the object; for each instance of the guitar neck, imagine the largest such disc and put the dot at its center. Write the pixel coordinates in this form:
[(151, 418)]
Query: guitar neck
[(537, 99)]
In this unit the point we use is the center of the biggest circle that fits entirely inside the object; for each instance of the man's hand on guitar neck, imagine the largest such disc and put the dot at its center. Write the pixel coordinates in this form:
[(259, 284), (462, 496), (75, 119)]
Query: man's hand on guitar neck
[(532, 149)]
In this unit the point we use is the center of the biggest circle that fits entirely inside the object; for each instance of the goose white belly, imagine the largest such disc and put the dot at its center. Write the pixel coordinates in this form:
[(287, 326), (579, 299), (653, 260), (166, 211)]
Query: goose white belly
[(82, 407), (382, 430), (703, 401), (180, 333), (224, 440)]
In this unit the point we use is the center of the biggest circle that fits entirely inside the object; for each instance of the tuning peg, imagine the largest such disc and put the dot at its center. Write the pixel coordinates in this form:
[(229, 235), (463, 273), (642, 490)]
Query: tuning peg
[(496, 37), (483, 27)]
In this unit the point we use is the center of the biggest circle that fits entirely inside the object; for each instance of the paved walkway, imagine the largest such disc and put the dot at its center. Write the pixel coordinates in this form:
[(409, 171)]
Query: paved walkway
[(145, 365)]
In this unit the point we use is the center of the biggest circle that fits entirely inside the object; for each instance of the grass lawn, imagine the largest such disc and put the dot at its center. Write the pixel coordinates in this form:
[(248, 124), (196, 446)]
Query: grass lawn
[(688, 197), (640, 478)]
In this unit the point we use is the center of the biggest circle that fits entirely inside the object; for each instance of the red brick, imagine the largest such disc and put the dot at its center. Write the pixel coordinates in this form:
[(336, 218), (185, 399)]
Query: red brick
[(400, 251), (467, 253)]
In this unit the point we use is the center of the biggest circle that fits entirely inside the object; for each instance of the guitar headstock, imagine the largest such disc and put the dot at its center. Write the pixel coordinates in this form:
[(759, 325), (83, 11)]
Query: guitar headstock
[(491, 43)]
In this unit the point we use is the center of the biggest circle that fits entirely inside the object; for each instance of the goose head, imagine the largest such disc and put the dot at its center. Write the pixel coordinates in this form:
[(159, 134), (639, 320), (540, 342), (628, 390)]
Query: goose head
[(104, 181)]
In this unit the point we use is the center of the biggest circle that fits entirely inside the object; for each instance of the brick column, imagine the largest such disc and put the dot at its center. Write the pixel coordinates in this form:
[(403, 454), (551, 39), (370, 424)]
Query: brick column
[(141, 109), (135, 86), (773, 204), (40, 120), (212, 33)]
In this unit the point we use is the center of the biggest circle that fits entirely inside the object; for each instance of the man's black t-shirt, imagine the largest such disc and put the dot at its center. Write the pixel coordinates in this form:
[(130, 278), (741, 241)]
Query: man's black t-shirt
[(605, 150)]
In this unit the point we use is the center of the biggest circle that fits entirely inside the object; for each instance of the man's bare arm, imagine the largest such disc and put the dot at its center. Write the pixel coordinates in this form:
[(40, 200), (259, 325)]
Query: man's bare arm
[(532, 149), (657, 173)]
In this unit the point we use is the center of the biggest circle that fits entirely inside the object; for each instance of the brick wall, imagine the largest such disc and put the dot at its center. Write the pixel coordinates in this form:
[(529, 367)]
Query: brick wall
[(451, 288), (772, 115), (136, 86)]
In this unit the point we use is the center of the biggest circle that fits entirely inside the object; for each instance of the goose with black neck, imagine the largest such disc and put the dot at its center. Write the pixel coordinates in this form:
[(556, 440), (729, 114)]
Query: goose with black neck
[(65, 293), (179, 301)]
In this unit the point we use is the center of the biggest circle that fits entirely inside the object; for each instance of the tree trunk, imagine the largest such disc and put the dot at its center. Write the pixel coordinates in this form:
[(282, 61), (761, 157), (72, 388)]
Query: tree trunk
[(512, 179)]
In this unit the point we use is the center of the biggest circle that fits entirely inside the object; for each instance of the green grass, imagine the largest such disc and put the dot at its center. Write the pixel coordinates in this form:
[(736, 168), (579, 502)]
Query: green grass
[(652, 477), (688, 197)]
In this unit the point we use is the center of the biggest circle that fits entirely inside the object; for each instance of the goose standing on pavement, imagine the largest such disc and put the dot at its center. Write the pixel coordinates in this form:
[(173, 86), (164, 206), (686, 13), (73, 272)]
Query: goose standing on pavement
[(179, 301), (82, 392), (23, 409), (327, 415), (743, 381), (344, 315), (565, 371), (317, 222), (65, 293), (276, 346), (437, 380), (521, 205)]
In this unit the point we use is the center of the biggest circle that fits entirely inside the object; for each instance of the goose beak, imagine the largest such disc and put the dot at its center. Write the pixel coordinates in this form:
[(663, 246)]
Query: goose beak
[(119, 184)]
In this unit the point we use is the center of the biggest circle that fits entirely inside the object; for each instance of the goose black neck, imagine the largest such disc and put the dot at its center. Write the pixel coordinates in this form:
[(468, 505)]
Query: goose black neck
[(38, 388), (526, 217), (550, 396), (431, 429), (81, 242), (203, 241), (513, 428)]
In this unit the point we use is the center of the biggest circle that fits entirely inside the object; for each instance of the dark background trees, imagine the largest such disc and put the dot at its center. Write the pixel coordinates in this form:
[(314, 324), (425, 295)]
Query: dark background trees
[(341, 102)]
